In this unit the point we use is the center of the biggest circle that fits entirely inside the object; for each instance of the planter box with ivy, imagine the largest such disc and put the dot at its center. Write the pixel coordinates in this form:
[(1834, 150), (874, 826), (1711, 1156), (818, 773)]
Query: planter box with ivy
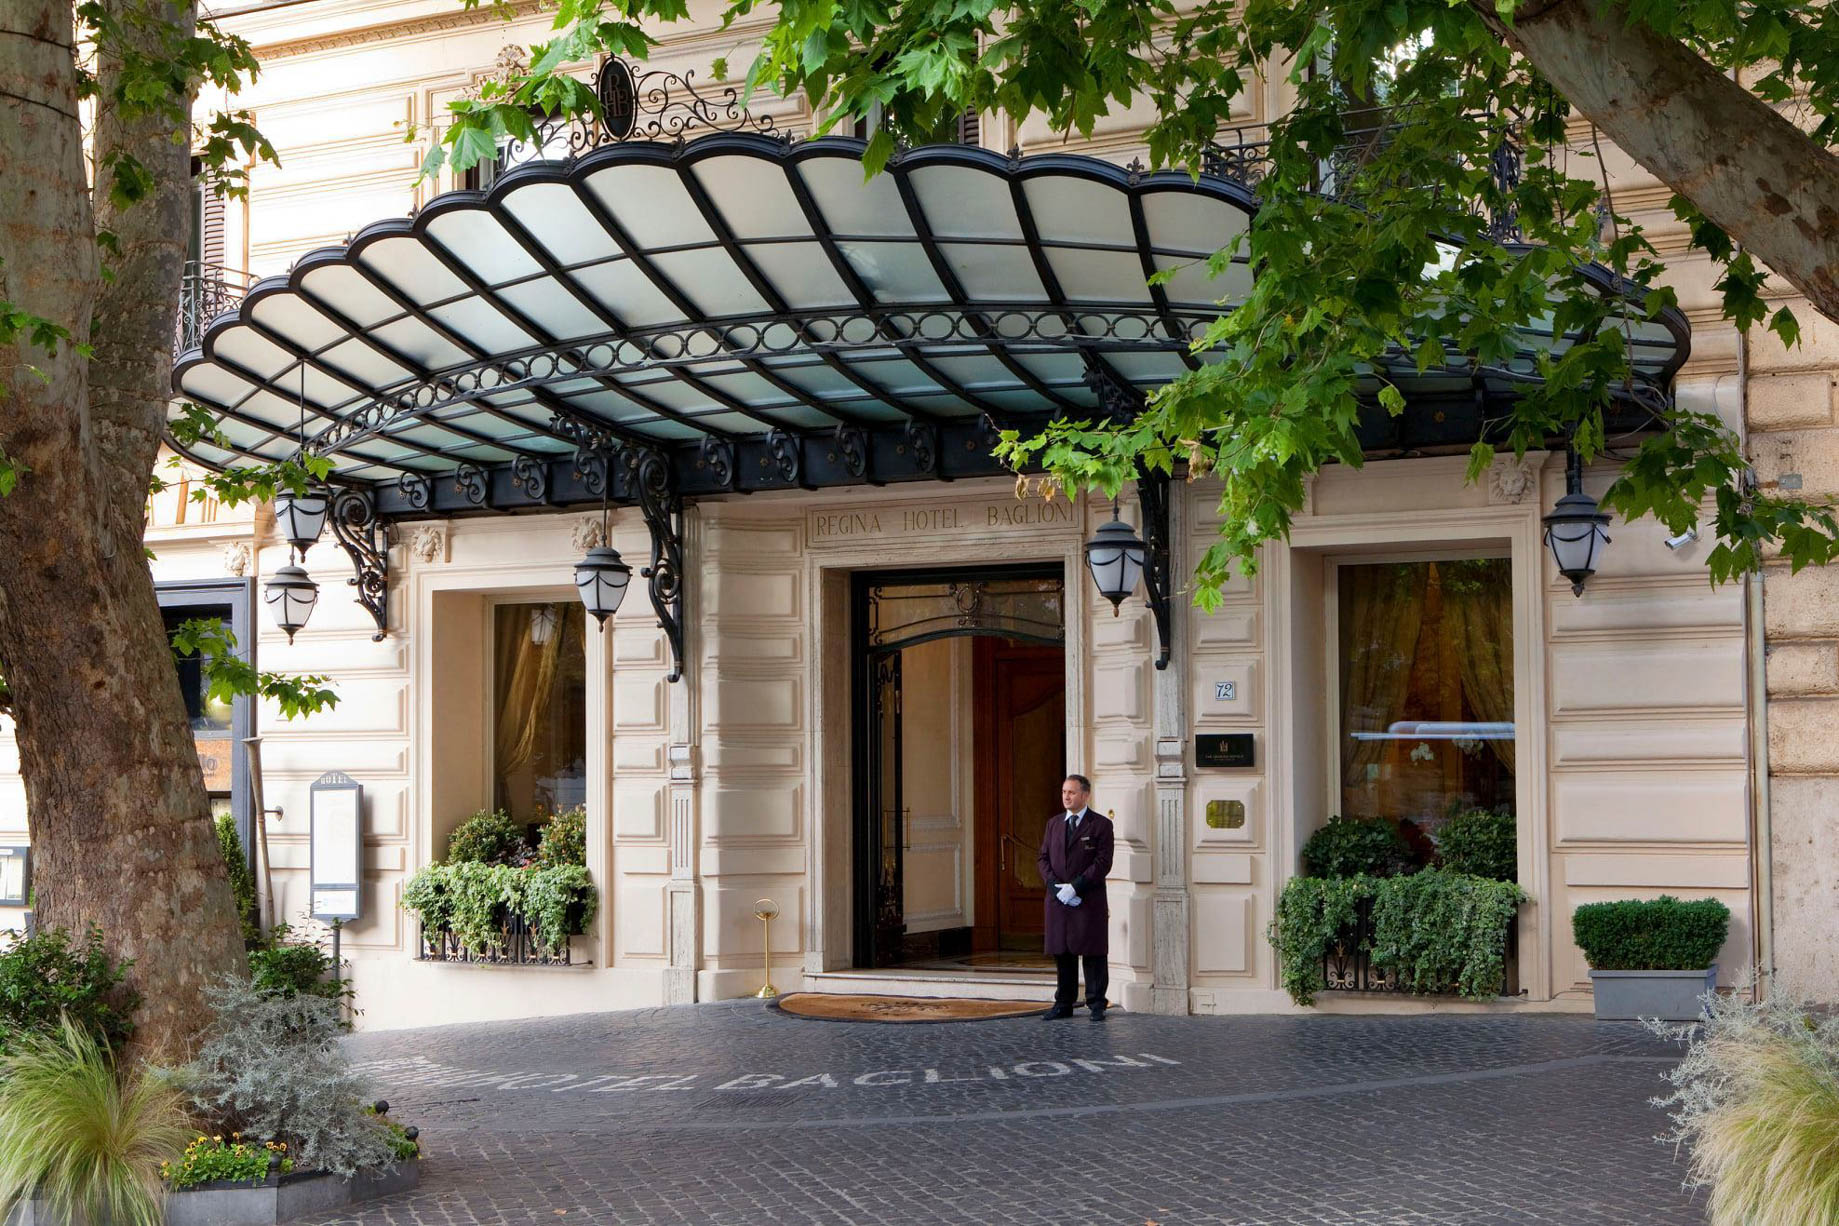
[(1654, 958), (496, 901), (1432, 932)]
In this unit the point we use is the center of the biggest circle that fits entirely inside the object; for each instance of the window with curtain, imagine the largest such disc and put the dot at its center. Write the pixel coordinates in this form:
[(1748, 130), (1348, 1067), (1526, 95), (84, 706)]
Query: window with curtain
[(1426, 671), (539, 687)]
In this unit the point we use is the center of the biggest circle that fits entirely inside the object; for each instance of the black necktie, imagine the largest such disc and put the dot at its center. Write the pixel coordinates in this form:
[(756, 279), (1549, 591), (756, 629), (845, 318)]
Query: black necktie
[(1072, 828)]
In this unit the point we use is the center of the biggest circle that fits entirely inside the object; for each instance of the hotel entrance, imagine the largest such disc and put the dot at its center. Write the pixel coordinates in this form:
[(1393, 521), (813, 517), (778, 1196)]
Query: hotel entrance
[(959, 752)]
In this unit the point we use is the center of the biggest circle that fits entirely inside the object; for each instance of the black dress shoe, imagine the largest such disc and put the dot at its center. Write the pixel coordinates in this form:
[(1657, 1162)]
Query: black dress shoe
[(1098, 1014), (1056, 1014)]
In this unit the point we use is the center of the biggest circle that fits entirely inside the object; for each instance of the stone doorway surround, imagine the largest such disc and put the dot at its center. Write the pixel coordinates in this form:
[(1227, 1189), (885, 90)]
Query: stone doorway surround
[(964, 524)]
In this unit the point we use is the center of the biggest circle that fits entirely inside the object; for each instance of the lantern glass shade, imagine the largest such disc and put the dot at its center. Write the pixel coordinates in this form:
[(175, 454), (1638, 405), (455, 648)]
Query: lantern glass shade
[(601, 579), (1575, 532), (543, 621), (300, 518), (1115, 557), (290, 594)]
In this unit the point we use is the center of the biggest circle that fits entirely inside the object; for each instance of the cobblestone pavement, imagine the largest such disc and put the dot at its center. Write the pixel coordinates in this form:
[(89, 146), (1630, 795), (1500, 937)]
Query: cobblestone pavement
[(737, 1113)]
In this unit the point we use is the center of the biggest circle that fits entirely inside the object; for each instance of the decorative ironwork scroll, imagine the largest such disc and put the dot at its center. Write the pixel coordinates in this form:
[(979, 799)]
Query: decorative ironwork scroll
[(786, 455), (923, 442), (364, 537), (531, 475), (852, 446), (648, 474), (470, 482), (418, 490), (1153, 497), (649, 105), (906, 614), (1117, 399), (717, 455), (594, 451)]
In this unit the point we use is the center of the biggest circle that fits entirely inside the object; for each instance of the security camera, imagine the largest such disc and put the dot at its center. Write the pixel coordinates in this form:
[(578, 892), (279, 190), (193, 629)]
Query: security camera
[(1684, 538)]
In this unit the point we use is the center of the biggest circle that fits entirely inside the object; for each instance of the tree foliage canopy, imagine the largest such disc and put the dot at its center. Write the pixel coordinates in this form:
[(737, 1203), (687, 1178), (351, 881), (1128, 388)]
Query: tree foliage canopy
[(1408, 102)]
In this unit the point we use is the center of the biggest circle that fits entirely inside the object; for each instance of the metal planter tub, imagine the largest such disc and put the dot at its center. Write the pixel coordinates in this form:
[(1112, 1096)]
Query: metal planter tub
[(1671, 996), (277, 1199)]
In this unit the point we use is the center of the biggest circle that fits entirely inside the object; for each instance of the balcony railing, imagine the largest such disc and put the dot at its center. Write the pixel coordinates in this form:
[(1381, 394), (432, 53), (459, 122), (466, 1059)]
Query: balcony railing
[(1347, 967), (517, 946), (205, 291)]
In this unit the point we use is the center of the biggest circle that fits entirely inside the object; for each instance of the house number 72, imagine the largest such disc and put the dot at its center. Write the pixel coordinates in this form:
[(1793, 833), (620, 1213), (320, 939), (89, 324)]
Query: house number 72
[(1225, 691)]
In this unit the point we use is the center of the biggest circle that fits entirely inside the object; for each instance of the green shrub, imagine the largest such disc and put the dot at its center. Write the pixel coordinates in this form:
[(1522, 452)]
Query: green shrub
[(564, 839), (242, 881), (1439, 932), (488, 837), (87, 1136), (45, 978), (1480, 843), (1756, 1103), (1349, 847), (289, 968), (1660, 934)]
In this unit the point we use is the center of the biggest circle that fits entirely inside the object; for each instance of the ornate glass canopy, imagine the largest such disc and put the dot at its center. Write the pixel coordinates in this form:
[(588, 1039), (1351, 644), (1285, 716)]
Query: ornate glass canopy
[(622, 319), (758, 311)]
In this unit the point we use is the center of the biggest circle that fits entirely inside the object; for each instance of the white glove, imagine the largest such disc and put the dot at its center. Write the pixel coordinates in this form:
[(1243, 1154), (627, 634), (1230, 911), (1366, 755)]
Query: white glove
[(1068, 895), (1073, 901)]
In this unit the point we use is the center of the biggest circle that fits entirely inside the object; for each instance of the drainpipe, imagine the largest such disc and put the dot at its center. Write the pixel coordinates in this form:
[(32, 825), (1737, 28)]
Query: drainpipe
[(1762, 843)]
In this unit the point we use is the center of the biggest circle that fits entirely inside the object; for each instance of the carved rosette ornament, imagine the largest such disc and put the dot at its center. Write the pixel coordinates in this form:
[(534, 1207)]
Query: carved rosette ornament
[(236, 558), (1511, 480), (587, 535), (428, 543)]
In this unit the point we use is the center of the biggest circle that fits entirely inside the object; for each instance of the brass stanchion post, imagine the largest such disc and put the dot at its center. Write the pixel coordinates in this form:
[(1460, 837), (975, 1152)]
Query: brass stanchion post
[(765, 910)]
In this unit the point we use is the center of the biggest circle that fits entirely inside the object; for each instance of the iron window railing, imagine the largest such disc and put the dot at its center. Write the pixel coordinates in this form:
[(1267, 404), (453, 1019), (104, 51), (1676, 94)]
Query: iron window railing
[(517, 946), (1347, 966), (205, 291)]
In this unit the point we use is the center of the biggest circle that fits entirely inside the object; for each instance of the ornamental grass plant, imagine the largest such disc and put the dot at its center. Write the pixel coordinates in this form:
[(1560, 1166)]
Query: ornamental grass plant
[(83, 1133), (1756, 1104)]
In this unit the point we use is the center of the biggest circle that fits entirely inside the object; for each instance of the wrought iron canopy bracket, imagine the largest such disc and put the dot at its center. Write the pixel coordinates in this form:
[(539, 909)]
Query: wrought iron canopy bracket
[(649, 479), (364, 536), (1153, 497)]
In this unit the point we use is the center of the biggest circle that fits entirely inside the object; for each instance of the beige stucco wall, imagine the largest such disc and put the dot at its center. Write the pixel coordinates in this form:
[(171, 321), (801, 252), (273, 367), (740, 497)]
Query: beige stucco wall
[(733, 786)]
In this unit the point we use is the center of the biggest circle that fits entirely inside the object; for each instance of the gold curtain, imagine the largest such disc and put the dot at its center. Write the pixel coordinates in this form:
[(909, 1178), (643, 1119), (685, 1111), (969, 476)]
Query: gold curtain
[(1382, 611), (1480, 616), (526, 677)]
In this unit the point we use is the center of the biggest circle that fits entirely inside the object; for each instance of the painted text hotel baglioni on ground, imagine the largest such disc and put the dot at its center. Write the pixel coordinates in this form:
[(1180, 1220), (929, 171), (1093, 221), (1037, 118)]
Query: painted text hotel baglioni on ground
[(883, 680)]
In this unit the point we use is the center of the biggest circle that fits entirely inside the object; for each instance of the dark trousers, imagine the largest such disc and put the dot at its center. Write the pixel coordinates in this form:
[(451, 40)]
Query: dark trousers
[(1098, 978)]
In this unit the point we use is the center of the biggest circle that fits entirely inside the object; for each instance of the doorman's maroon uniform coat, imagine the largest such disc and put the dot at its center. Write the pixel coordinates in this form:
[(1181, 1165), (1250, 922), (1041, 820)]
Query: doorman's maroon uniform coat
[(1083, 929)]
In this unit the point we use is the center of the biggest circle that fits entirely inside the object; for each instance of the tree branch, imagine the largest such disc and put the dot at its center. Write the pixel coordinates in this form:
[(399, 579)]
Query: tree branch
[(1768, 184)]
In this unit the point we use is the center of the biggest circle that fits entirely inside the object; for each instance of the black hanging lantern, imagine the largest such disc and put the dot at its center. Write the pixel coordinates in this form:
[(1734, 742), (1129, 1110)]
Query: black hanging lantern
[(1576, 529), (601, 579), (290, 594), (1116, 558), (301, 518)]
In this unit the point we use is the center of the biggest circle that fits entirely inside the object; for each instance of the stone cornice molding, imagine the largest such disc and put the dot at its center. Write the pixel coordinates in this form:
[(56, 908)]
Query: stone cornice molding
[(457, 19)]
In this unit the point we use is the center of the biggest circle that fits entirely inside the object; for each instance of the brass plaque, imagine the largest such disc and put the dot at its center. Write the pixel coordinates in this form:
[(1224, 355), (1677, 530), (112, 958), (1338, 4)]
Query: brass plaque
[(1226, 814)]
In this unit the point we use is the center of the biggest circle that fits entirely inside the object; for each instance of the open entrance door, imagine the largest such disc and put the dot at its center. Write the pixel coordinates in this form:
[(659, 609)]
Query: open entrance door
[(959, 751), (1021, 758)]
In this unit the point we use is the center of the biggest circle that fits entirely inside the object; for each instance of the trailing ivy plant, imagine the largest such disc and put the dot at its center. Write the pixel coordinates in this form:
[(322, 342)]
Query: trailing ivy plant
[(1439, 931), (475, 902), (1444, 932), (544, 897), (1313, 915)]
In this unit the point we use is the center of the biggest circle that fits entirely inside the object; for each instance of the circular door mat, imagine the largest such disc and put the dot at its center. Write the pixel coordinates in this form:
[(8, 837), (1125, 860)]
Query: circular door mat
[(825, 1006)]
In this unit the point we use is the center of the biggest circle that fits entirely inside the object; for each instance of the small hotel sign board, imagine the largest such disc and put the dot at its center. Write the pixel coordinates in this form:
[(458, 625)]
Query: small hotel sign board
[(1223, 749), (337, 846)]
